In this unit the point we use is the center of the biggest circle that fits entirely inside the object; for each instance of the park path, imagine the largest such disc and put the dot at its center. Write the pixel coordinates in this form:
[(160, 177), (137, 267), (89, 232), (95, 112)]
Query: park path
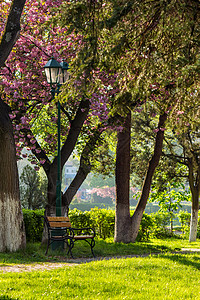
[(54, 265), (4, 268)]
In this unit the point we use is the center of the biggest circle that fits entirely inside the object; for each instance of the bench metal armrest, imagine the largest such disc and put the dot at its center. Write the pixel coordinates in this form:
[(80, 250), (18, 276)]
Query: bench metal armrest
[(62, 231), (84, 231)]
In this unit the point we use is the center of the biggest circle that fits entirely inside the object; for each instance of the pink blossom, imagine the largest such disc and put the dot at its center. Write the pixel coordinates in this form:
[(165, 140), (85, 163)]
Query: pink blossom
[(12, 116), (24, 120), (33, 141), (180, 112), (43, 161)]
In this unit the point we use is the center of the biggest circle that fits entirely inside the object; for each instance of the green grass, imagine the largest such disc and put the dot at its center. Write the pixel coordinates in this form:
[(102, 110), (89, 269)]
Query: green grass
[(35, 253), (166, 275)]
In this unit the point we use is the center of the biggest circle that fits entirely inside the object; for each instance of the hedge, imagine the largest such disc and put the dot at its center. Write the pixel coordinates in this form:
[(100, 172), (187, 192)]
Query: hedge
[(103, 221), (34, 222)]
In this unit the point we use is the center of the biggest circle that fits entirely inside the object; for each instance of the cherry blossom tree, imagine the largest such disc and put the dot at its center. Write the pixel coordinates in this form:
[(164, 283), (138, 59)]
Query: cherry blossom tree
[(34, 115), (12, 232)]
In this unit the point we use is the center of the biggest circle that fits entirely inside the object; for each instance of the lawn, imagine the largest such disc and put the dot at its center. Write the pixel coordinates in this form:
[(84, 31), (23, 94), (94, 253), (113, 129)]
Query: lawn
[(158, 276)]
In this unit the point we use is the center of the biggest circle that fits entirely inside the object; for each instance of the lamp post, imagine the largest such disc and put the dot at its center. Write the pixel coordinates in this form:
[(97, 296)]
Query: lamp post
[(57, 74)]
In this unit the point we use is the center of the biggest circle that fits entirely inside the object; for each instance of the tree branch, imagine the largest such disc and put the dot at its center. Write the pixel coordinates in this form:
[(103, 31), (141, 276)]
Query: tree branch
[(12, 30)]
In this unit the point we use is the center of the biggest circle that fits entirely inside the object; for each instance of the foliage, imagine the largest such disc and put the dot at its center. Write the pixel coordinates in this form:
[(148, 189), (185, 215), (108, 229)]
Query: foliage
[(146, 228), (104, 194), (87, 206), (33, 189), (170, 198), (102, 220), (184, 218), (34, 223), (79, 218), (98, 181), (161, 220)]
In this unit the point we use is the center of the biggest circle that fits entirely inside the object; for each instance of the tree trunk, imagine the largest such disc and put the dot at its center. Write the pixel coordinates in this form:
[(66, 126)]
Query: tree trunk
[(194, 187), (126, 228), (193, 224), (137, 216), (12, 231), (122, 177)]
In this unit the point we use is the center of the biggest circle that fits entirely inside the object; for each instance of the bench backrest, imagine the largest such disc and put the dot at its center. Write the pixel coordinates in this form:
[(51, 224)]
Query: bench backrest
[(57, 222)]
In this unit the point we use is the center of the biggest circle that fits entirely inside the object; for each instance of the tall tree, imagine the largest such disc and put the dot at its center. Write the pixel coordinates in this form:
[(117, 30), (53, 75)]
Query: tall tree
[(12, 232), (183, 148), (127, 227)]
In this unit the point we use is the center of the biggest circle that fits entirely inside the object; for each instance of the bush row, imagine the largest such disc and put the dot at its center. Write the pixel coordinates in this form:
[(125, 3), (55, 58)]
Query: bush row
[(103, 221)]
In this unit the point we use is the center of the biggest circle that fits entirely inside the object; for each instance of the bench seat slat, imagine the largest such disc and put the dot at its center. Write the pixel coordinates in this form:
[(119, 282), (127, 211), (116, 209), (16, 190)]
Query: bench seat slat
[(58, 219), (60, 224), (83, 237)]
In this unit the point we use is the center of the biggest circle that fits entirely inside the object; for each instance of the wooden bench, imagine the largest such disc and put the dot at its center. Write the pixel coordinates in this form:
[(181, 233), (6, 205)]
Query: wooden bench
[(60, 230)]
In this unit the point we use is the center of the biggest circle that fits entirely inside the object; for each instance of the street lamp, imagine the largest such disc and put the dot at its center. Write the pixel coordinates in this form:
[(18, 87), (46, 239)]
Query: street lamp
[(57, 74)]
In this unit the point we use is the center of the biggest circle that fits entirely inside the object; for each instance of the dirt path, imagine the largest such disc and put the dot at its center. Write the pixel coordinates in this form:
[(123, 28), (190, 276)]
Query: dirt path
[(4, 268), (31, 267), (53, 265)]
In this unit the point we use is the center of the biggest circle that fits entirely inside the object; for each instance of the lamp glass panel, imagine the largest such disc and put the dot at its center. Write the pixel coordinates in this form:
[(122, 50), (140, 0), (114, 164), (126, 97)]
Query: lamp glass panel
[(48, 75), (63, 76), (54, 75)]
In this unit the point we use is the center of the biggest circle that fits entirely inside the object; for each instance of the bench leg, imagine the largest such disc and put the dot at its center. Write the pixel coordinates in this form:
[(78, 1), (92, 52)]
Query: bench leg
[(70, 244), (92, 244), (48, 243)]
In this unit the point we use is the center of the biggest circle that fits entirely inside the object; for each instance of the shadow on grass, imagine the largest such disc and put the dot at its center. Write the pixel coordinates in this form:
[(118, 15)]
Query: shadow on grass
[(189, 259), (7, 298), (35, 253)]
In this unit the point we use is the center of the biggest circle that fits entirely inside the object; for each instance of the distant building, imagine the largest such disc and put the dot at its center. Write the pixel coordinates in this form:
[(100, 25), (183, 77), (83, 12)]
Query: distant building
[(69, 173)]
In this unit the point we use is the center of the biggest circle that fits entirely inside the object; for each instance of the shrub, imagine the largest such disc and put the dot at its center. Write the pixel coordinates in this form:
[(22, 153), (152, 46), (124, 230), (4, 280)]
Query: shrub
[(34, 222), (184, 219), (160, 220), (103, 221), (79, 218), (146, 228)]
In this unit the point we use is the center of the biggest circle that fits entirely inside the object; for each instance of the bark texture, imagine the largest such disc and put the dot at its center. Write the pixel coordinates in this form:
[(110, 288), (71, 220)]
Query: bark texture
[(127, 227), (194, 181), (137, 216), (122, 178), (12, 30), (12, 231), (193, 225)]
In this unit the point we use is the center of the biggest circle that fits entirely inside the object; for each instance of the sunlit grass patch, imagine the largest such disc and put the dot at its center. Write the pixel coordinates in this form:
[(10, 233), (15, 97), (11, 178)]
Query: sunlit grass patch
[(166, 276)]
